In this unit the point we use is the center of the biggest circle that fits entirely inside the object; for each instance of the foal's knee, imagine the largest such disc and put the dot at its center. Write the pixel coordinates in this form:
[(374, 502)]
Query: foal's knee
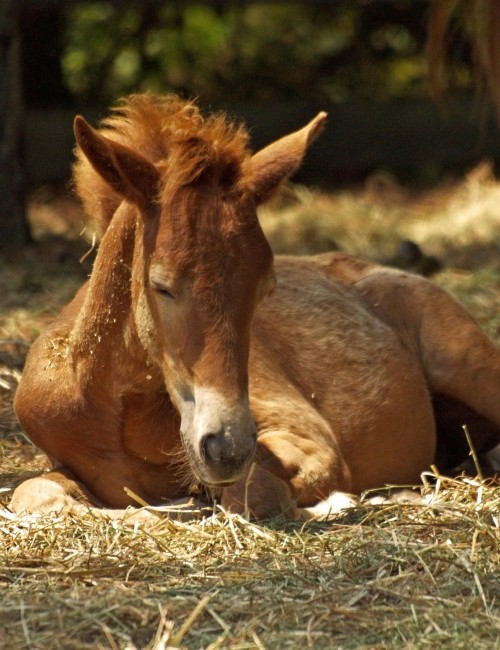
[(52, 492)]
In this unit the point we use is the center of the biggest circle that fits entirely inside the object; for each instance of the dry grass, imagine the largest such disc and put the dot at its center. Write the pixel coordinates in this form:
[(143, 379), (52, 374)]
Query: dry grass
[(389, 576), (379, 577)]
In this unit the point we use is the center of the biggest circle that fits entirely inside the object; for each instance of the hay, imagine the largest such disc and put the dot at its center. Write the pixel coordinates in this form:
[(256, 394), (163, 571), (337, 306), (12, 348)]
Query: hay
[(387, 576), (378, 576)]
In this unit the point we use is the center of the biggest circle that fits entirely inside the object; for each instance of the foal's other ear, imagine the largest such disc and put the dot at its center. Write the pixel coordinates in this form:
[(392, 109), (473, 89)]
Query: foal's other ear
[(279, 160), (128, 173)]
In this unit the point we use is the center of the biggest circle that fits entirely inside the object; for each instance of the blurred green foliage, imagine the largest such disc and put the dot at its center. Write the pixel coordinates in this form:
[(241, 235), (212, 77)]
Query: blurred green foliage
[(255, 50)]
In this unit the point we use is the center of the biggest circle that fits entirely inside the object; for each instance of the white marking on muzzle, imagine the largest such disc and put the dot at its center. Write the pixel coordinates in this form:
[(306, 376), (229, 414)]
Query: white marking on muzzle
[(224, 434)]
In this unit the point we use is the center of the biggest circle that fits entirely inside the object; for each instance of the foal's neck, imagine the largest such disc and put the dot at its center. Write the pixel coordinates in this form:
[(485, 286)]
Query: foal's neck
[(98, 335)]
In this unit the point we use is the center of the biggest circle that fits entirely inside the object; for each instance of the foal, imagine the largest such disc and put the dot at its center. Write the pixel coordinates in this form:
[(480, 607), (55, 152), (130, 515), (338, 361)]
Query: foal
[(189, 353)]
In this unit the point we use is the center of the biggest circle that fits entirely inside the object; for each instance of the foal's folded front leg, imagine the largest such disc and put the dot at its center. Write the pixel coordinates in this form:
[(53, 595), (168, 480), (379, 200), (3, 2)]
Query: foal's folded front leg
[(56, 491), (292, 471), (260, 495), (59, 492)]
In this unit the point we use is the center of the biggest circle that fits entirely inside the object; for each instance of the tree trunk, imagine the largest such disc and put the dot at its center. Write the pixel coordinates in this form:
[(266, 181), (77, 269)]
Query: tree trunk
[(14, 230)]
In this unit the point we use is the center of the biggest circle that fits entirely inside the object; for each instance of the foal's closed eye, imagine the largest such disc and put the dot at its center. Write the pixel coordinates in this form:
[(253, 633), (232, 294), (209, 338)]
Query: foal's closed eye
[(162, 289)]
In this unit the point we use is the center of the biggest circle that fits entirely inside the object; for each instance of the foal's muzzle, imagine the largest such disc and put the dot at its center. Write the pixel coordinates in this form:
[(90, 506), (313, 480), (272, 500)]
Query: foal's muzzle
[(225, 455), (220, 436)]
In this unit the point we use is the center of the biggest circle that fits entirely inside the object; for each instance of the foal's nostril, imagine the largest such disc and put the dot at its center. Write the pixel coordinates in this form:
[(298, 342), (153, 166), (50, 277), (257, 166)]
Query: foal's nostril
[(224, 448), (213, 447)]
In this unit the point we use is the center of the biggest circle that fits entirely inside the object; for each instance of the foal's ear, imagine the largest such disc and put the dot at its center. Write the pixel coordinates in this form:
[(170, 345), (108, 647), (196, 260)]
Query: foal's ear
[(279, 160), (128, 173)]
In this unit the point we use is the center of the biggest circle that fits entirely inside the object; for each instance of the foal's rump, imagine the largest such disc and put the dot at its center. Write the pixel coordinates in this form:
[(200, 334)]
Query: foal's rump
[(461, 365)]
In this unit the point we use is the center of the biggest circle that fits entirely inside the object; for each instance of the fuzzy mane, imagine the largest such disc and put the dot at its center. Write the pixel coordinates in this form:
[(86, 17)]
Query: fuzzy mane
[(170, 133)]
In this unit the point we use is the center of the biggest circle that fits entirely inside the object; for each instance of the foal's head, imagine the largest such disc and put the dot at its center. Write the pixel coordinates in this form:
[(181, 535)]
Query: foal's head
[(205, 262)]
